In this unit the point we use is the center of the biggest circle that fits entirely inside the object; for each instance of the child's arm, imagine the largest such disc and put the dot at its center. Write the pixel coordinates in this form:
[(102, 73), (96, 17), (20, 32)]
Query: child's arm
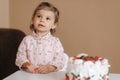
[(59, 59), (28, 67), (22, 56), (45, 69)]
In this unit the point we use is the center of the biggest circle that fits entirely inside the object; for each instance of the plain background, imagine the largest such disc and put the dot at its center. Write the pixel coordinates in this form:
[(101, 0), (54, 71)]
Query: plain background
[(86, 26)]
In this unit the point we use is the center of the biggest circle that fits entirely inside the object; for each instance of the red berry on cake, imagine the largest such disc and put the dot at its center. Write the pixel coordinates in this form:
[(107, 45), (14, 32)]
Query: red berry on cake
[(73, 78), (67, 77)]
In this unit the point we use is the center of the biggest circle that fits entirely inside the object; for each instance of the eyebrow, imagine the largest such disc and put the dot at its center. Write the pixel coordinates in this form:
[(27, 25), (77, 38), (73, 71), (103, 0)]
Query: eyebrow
[(38, 13)]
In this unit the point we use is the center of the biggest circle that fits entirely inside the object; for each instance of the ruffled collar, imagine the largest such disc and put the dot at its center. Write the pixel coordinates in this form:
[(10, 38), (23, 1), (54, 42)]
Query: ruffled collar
[(36, 36)]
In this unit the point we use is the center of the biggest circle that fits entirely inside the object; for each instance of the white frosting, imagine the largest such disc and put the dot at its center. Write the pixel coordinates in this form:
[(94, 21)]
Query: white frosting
[(94, 70)]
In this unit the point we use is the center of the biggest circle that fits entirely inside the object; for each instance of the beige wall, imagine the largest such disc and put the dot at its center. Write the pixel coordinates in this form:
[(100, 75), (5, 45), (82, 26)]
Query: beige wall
[(4, 14), (90, 26)]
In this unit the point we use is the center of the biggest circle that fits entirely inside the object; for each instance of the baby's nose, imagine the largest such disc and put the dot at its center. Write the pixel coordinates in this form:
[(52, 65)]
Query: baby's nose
[(42, 19)]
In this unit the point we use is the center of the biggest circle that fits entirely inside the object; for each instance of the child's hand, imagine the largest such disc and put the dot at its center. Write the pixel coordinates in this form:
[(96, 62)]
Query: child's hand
[(45, 69), (31, 69), (28, 67)]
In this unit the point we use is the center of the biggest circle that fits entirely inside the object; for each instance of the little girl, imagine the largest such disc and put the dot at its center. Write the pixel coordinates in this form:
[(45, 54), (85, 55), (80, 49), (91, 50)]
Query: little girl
[(41, 52)]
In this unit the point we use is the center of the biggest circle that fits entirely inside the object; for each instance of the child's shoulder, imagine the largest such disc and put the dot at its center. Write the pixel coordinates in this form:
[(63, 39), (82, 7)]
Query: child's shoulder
[(55, 38), (28, 37)]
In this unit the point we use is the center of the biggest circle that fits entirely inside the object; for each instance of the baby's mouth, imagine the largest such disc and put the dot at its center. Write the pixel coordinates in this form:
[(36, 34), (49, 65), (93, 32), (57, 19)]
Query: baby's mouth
[(41, 25)]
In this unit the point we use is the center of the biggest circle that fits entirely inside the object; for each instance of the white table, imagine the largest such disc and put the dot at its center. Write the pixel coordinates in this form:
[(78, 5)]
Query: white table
[(114, 76), (21, 75)]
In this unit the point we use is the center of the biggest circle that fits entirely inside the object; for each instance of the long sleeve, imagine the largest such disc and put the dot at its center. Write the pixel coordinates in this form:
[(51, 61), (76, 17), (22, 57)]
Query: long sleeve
[(21, 56), (59, 58)]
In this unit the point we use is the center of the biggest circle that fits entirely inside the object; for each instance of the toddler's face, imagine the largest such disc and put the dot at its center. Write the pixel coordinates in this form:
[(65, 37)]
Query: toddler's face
[(44, 21)]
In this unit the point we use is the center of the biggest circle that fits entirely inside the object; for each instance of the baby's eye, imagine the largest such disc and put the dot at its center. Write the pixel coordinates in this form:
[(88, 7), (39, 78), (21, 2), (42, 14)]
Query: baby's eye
[(47, 18), (38, 16)]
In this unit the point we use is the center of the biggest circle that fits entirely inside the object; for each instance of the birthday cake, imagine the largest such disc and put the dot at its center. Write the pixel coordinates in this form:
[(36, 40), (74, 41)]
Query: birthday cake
[(84, 67)]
